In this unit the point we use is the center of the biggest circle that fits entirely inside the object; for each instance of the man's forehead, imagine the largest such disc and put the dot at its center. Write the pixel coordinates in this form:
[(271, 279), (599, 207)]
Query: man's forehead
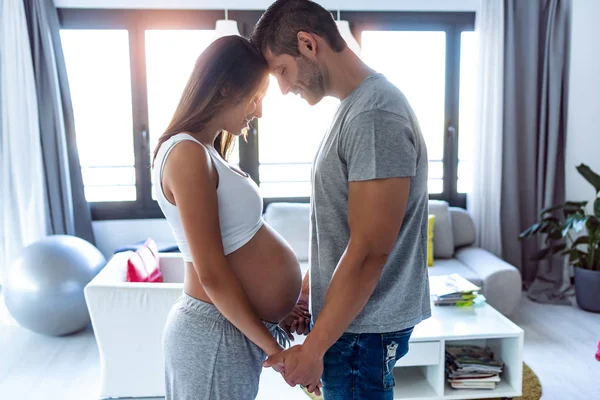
[(276, 61)]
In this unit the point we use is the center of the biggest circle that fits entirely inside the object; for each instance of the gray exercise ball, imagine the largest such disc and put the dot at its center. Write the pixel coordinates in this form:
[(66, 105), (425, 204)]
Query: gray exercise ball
[(43, 287)]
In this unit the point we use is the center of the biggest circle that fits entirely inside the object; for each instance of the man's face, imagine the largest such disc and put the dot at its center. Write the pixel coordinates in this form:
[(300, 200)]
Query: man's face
[(298, 75)]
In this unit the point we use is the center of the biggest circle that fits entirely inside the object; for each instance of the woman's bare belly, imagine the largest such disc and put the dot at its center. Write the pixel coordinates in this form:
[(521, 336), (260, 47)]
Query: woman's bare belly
[(268, 271)]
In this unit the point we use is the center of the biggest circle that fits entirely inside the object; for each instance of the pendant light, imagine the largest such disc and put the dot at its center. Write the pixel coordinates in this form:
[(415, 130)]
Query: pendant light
[(226, 27)]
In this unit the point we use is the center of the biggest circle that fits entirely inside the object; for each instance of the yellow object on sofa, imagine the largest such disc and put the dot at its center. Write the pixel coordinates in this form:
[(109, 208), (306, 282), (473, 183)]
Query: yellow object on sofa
[(431, 222)]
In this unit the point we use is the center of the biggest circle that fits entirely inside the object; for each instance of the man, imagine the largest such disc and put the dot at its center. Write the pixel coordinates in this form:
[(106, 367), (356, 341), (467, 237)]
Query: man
[(368, 273)]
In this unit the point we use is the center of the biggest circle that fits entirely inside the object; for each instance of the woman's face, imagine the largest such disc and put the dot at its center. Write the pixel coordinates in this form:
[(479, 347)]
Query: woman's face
[(238, 117)]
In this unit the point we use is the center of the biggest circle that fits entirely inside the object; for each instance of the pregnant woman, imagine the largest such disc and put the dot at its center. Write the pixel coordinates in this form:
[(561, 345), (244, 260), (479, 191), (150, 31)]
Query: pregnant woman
[(241, 277)]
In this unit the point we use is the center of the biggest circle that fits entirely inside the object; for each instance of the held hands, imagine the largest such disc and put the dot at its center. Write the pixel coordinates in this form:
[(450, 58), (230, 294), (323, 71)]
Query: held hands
[(298, 365), (298, 320)]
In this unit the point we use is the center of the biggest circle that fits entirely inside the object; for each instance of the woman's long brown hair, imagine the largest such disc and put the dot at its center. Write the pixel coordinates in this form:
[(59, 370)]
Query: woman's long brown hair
[(229, 70)]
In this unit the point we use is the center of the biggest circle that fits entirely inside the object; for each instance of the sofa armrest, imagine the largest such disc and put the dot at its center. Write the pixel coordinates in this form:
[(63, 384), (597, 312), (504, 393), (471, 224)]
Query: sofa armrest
[(114, 271), (128, 321), (501, 281)]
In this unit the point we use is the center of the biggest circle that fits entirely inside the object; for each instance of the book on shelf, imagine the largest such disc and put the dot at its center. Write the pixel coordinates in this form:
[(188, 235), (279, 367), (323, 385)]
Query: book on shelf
[(472, 367), (454, 290), (482, 385)]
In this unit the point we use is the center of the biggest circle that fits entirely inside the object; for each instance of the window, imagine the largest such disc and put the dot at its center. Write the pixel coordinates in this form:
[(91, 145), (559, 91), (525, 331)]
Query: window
[(468, 79), (289, 134), (127, 69), (417, 67), (423, 54), (170, 58), (98, 68)]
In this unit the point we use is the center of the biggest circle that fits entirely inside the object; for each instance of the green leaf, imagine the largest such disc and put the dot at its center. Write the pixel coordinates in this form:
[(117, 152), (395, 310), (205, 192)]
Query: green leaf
[(593, 225), (540, 255), (548, 225), (574, 221), (575, 204), (556, 234), (570, 206), (550, 220), (578, 222), (576, 256), (558, 248), (529, 231), (590, 176), (597, 207), (581, 240)]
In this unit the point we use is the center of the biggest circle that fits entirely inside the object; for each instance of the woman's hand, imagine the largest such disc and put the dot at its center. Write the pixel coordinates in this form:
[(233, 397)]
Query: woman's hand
[(298, 320)]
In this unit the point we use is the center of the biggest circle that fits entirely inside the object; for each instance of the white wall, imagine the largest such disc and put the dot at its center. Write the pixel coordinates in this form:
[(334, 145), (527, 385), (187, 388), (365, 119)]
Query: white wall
[(362, 5), (583, 129)]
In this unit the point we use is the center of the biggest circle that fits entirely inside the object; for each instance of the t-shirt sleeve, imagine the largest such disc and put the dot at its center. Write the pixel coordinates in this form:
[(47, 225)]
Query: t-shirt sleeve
[(377, 144)]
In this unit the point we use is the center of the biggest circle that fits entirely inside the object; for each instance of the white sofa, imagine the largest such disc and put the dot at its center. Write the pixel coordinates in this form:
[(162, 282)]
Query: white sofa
[(128, 318), (453, 249)]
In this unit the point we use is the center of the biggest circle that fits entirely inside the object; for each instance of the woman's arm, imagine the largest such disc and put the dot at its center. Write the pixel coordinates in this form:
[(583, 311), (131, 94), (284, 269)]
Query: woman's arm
[(191, 179)]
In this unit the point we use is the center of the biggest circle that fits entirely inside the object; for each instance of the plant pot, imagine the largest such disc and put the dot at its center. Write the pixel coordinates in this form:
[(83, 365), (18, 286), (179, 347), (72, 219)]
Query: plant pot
[(587, 289)]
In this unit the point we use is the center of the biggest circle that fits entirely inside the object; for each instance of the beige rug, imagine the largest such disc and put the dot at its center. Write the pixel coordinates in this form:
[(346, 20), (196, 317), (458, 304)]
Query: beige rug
[(532, 389)]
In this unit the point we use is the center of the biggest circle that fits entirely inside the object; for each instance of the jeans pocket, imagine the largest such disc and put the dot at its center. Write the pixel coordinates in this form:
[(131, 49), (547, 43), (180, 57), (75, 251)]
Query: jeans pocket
[(394, 346)]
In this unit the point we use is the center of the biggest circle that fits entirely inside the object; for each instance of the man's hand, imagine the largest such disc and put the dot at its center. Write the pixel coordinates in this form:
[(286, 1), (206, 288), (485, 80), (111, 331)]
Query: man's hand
[(298, 367), (298, 320)]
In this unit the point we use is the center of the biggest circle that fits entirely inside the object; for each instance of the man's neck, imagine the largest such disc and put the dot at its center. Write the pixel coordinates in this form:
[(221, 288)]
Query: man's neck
[(345, 73)]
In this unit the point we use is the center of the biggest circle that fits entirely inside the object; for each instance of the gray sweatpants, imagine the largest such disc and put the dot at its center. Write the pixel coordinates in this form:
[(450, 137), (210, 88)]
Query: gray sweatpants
[(206, 357)]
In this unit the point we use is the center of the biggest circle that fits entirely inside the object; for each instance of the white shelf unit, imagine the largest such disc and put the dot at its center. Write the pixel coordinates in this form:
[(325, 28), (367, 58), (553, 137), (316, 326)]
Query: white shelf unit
[(420, 375)]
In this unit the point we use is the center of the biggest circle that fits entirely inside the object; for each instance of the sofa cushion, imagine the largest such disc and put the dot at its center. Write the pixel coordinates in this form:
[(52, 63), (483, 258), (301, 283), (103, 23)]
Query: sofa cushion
[(453, 266), (443, 242), (462, 227), (292, 222), (143, 265), (430, 226)]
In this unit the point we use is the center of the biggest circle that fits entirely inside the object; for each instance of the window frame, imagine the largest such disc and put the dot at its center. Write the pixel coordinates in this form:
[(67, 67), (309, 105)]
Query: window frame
[(453, 23), (137, 21)]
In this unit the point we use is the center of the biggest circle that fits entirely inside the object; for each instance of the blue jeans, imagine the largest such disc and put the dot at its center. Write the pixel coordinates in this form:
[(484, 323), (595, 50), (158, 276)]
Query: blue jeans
[(359, 366)]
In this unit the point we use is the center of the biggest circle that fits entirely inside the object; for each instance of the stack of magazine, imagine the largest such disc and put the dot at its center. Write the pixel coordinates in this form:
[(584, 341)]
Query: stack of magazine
[(472, 367), (453, 290)]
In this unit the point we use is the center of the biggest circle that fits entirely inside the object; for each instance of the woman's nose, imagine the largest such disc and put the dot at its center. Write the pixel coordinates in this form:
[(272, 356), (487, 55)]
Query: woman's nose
[(258, 109)]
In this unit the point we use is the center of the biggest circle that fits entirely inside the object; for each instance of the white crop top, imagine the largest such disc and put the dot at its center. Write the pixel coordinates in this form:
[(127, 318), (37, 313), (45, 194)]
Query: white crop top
[(240, 203)]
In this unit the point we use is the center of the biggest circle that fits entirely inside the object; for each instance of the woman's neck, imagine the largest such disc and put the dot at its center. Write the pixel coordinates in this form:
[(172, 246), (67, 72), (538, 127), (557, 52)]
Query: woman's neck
[(209, 134)]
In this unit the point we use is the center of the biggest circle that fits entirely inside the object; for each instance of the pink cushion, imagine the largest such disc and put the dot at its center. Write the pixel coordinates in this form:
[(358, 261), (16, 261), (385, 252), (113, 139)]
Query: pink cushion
[(143, 266)]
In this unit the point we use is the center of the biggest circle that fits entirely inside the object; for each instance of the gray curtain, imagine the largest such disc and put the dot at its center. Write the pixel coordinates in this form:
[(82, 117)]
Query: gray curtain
[(68, 210), (2, 247), (536, 57)]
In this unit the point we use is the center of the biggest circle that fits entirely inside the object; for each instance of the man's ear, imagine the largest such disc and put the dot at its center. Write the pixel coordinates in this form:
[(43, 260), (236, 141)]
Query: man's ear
[(307, 44)]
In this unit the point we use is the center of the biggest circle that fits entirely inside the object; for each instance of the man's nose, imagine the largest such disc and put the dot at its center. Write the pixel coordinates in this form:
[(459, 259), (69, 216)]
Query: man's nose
[(284, 86)]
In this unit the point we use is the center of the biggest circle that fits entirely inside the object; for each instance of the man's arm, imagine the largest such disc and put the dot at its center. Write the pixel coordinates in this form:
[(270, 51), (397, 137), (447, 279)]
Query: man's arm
[(375, 213), (306, 284)]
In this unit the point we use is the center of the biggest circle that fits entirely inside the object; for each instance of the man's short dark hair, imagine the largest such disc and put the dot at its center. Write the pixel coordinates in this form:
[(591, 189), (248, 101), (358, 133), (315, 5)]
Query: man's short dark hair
[(277, 29)]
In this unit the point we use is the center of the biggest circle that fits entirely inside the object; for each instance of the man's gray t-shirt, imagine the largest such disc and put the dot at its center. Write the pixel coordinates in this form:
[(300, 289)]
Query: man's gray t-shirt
[(374, 135)]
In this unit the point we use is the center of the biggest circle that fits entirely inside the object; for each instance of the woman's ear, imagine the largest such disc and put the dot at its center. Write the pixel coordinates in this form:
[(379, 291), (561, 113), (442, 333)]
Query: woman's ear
[(307, 44)]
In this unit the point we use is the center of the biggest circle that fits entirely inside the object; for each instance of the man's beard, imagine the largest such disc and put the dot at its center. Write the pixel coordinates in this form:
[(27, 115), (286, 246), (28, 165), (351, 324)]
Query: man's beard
[(311, 77)]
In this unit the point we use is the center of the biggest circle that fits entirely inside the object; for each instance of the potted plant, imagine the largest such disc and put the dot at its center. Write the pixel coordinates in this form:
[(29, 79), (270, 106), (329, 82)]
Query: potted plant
[(571, 231)]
